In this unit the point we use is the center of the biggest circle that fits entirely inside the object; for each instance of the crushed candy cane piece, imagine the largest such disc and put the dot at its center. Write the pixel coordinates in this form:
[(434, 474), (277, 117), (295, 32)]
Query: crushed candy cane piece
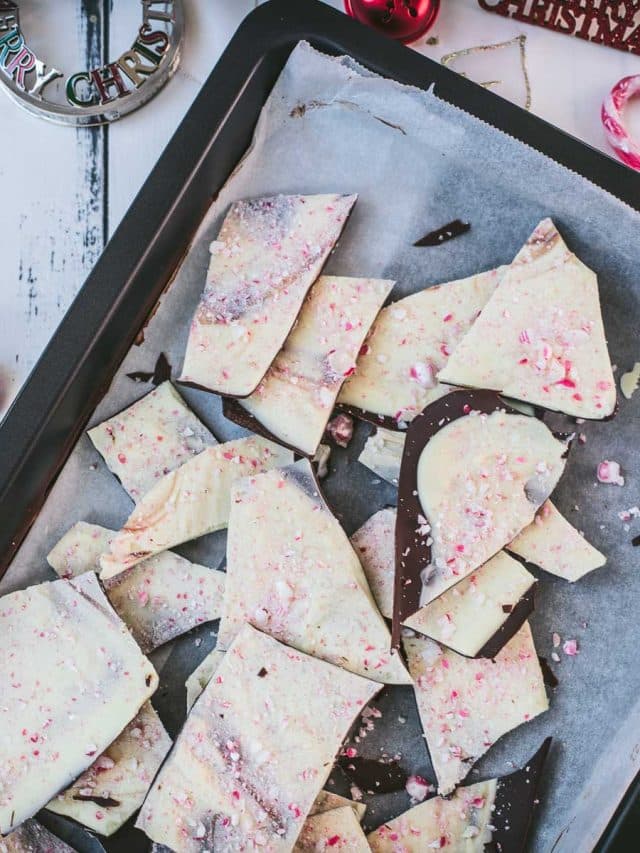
[(340, 429), (570, 647), (609, 472), (629, 381), (418, 788)]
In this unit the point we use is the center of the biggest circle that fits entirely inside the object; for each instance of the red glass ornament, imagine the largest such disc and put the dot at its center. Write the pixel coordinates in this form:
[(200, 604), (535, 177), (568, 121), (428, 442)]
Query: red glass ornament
[(405, 20)]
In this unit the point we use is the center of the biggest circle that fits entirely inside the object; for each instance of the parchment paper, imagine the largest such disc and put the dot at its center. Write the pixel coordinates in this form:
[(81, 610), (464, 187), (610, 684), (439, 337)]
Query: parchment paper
[(417, 163)]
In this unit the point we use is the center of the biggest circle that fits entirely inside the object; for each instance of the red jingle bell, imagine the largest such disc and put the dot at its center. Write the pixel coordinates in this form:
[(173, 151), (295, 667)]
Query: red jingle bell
[(406, 20)]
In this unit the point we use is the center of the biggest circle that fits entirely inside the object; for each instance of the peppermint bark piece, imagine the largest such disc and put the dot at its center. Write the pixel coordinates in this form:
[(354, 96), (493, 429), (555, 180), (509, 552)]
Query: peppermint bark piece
[(153, 437), (189, 502), (201, 676), (466, 704), (295, 399), (267, 255), (461, 823), (382, 454), (554, 545), (251, 758), (61, 645), (292, 573), (159, 599), (337, 829), (397, 373), (327, 800), (33, 837), (473, 475), (540, 338), (115, 785), (374, 543)]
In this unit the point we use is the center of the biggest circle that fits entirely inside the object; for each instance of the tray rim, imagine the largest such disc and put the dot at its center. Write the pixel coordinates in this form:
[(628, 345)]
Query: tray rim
[(31, 432)]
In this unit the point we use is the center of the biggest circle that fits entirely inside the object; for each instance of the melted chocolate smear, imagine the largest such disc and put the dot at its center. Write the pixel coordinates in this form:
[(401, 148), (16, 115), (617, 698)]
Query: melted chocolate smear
[(262, 673), (161, 372), (372, 775), (442, 235), (516, 801), (411, 550), (511, 625), (104, 802), (548, 675)]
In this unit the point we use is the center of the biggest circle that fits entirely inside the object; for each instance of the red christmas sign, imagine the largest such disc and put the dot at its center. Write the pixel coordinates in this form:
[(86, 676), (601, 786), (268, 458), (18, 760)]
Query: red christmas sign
[(615, 23)]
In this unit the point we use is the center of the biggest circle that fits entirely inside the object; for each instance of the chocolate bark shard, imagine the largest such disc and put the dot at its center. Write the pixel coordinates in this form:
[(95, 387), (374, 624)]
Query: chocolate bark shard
[(267, 255), (62, 641), (461, 823), (480, 614), (295, 399), (201, 676), (540, 337), (382, 453), (374, 544), (473, 475), (397, 374), (337, 829), (475, 617), (466, 704), (153, 437), (326, 801), (251, 758), (115, 785), (292, 572), (33, 837), (189, 502), (159, 599), (554, 545)]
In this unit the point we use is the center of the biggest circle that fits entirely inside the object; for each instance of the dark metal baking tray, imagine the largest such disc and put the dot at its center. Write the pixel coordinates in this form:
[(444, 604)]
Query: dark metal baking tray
[(73, 373)]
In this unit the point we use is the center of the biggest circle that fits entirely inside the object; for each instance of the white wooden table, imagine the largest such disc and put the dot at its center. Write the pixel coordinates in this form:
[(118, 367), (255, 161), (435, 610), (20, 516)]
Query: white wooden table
[(65, 191)]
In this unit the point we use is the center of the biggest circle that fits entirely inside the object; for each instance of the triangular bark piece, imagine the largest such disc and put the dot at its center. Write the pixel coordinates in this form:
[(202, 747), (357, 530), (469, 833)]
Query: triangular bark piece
[(295, 399), (473, 475), (467, 704), (189, 502), (292, 572), (252, 758), (411, 341), (267, 255), (158, 600), (336, 829), (554, 545), (33, 837), (114, 787), (540, 338)]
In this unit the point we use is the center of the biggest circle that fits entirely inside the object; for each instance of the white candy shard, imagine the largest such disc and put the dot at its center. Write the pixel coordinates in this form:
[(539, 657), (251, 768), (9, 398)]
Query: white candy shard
[(189, 502), (382, 453), (481, 479), (115, 785), (295, 399), (251, 758), (71, 678), (292, 572), (337, 829), (266, 257), (374, 544), (411, 341), (154, 436), (629, 381), (159, 599), (466, 704), (540, 337), (327, 800), (461, 823), (556, 546)]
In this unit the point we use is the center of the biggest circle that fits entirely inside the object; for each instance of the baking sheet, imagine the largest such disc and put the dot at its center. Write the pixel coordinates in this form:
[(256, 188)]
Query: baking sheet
[(418, 163)]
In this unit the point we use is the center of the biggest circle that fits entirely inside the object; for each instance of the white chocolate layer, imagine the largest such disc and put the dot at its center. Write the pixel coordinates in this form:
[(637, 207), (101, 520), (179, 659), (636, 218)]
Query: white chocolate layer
[(461, 824), (292, 573), (337, 829), (154, 436), (556, 546), (252, 758), (189, 502), (327, 800), (374, 543), (201, 676), (295, 399), (71, 678), (267, 255), (382, 454), (115, 785), (410, 343), (466, 704), (158, 600), (481, 479), (540, 337)]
